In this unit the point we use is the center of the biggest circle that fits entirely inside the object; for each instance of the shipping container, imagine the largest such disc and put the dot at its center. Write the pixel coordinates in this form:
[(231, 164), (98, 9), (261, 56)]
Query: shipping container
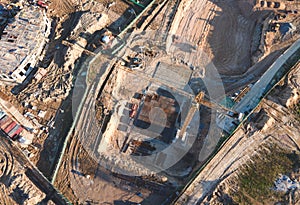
[(12, 131), (10, 127), (134, 106), (3, 120), (132, 113), (5, 123), (15, 135)]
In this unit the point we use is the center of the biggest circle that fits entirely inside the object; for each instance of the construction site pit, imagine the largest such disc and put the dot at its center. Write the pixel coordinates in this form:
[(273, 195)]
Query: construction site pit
[(136, 120)]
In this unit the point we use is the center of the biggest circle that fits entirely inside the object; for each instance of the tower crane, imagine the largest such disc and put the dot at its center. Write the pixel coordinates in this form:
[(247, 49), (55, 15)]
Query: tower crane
[(200, 100)]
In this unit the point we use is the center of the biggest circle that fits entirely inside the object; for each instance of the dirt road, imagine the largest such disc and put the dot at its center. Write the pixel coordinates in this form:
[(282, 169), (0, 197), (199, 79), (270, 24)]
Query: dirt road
[(18, 177)]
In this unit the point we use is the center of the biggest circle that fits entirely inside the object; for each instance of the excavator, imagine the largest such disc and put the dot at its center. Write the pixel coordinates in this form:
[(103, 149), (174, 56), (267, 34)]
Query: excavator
[(200, 100)]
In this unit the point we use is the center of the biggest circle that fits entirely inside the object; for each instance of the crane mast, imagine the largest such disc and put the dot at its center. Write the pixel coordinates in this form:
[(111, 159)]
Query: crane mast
[(199, 100)]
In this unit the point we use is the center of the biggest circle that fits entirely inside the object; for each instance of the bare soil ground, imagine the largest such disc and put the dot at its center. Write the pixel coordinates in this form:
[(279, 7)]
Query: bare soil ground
[(226, 30), (207, 23), (271, 124), (54, 92), (81, 179), (229, 32), (18, 182), (282, 100), (223, 29), (61, 8)]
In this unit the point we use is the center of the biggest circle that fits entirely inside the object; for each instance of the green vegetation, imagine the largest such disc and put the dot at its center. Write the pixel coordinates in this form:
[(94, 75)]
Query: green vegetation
[(257, 179)]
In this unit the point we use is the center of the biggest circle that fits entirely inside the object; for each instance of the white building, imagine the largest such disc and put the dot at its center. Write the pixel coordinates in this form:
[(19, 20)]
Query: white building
[(22, 43)]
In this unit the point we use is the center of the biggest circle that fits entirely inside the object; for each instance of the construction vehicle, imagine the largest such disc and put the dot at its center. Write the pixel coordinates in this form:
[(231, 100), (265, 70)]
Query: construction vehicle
[(199, 100), (136, 64), (133, 63), (133, 111), (42, 4)]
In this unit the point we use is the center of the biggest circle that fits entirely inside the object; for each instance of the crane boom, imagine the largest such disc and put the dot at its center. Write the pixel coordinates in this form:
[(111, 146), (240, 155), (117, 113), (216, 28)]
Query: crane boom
[(213, 105), (199, 99), (187, 120)]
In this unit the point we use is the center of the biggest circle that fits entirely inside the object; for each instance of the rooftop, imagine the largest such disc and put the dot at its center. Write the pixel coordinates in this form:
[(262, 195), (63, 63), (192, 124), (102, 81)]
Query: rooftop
[(20, 37)]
